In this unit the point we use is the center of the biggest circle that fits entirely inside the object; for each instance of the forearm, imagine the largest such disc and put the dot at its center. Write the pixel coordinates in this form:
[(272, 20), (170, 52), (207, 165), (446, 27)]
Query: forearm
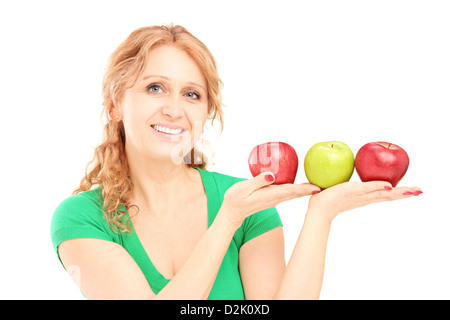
[(196, 278), (304, 272)]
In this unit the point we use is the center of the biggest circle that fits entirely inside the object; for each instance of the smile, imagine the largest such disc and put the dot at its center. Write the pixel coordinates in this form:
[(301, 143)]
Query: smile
[(166, 130)]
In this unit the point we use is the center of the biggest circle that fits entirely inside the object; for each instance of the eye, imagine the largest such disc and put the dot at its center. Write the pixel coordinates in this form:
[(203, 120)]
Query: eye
[(155, 88), (191, 94)]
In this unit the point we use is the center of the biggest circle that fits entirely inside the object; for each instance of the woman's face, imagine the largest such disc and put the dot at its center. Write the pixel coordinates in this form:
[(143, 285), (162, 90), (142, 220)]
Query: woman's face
[(165, 111)]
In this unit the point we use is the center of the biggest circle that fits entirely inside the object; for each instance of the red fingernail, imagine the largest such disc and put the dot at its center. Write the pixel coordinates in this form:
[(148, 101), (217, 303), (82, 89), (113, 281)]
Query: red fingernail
[(269, 178), (387, 188), (407, 193), (316, 191), (416, 193)]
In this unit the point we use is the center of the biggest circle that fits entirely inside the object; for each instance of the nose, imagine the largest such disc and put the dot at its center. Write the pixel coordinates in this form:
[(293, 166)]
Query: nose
[(172, 107)]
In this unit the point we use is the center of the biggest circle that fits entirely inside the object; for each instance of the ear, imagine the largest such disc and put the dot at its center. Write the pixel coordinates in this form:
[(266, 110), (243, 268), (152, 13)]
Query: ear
[(115, 114), (115, 109)]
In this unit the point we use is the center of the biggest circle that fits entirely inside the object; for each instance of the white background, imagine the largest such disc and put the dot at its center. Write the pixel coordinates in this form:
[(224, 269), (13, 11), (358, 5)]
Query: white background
[(294, 71)]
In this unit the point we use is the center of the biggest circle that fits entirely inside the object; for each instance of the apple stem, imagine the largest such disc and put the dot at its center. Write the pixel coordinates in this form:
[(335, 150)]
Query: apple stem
[(389, 146)]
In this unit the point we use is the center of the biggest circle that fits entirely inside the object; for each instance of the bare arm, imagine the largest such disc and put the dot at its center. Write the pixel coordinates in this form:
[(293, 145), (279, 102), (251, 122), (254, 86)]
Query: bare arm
[(104, 270), (196, 278), (263, 269), (107, 271), (262, 265), (263, 272), (304, 273)]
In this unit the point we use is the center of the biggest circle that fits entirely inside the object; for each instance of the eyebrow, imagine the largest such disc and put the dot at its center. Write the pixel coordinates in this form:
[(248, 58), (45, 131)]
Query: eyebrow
[(156, 76), (168, 79)]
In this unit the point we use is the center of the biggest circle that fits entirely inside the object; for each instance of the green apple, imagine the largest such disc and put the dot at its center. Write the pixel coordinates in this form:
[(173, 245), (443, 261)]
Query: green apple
[(329, 163)]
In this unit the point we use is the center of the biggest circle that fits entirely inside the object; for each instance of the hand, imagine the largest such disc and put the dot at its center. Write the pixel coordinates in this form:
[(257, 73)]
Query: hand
[(250, 196), (350, 195)]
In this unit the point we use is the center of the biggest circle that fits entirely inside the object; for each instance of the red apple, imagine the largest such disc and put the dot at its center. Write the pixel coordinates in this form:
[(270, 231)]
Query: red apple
[(277, 157), (381, 161)]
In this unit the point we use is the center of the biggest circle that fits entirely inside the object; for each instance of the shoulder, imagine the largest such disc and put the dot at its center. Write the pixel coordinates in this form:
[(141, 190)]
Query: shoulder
[(221, 180), (86, 204), (80, 216)]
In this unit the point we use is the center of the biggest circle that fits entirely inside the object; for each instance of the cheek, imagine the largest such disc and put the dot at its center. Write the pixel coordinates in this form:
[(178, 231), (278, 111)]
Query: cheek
[(137, 108), (134, 120)]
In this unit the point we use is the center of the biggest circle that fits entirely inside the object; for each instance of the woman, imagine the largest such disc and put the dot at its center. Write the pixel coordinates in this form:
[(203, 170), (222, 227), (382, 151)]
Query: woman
[(150, 222)]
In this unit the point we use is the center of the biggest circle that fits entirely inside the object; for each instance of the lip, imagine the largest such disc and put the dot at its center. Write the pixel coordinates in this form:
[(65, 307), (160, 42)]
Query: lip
[(168, 125), (172, 137)]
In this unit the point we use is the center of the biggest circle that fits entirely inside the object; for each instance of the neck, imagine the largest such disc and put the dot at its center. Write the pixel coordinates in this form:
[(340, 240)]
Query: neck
[(159, 184)]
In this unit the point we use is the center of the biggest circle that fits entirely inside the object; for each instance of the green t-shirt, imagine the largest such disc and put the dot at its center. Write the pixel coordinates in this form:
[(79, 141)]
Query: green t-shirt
[(80, 216)]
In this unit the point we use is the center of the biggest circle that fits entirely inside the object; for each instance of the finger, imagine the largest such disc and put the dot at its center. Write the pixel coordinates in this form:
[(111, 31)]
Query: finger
[(305, 189), (290, 190), (262, 180), (279, 193), (372, 186), (408, 192), (394, 194)]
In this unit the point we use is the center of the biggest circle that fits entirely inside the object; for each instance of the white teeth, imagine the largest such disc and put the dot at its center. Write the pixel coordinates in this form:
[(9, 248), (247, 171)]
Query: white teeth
[(167, 130)]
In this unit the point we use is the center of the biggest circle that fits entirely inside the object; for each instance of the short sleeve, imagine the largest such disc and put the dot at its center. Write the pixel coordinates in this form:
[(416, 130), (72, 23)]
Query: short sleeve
[(260, 223), (78, 217)]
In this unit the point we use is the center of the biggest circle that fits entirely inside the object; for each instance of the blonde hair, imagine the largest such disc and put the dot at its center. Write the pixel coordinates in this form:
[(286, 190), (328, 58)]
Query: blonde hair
[(109, 167)]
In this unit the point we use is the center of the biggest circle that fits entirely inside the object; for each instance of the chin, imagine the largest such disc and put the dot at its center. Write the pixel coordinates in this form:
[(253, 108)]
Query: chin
[(167, 153)]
